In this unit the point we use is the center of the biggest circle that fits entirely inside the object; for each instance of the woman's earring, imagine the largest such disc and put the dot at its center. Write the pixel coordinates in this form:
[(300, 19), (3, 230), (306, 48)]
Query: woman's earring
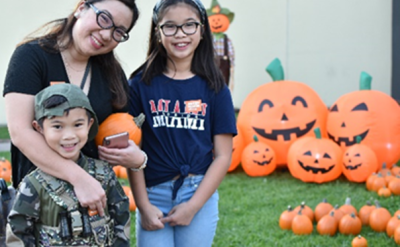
[(76, 14)]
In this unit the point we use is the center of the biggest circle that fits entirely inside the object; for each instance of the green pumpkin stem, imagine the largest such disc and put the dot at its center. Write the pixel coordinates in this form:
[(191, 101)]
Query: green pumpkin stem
[(317, 132), (365, 81), (358, 139), (255, 138), (275, 70)]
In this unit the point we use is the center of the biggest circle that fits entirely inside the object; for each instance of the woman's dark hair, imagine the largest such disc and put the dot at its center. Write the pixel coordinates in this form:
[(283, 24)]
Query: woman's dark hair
[(204, 59), (61, 29)]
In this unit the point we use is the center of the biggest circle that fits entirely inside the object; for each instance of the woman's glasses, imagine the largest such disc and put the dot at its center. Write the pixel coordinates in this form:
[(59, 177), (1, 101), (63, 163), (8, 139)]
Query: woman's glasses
[(105, 21), (188, 28)]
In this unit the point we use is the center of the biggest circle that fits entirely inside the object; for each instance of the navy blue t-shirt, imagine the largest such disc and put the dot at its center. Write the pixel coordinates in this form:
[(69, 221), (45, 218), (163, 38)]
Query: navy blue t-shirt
[(182, 116)]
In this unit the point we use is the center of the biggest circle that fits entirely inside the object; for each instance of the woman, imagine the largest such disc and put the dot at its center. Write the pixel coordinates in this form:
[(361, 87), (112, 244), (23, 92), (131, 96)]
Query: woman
[(78, 50)]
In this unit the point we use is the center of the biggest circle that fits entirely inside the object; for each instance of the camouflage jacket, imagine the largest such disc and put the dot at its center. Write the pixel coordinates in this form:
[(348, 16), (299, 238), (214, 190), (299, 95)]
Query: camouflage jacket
[(34, 218)]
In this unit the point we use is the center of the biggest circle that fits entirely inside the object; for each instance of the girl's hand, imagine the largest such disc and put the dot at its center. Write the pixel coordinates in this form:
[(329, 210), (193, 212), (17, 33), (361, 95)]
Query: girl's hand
[(129, 157), (181, 215), (151, 218)]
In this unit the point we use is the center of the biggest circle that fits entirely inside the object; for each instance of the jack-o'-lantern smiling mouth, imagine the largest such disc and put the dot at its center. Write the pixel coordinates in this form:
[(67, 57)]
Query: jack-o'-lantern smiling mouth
[(314, 169), (217, 27), (348, 167), (263, 163), (285, 132), (346, 140)]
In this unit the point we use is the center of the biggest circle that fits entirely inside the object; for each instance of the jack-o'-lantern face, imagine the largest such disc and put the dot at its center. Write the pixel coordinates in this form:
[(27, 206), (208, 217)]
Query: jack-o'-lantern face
[(258, 159), (372, 115), (359, 162), (315, 160), (219, 23), (349, 131), (279, 113), (302, 121)]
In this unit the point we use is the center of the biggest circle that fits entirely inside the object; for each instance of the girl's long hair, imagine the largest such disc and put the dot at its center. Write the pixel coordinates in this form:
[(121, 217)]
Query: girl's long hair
[(204, 59), (61, 29)]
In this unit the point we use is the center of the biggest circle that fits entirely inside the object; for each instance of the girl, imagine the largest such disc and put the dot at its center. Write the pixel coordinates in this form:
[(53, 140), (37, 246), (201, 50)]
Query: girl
[(77, 49), (188, 130)]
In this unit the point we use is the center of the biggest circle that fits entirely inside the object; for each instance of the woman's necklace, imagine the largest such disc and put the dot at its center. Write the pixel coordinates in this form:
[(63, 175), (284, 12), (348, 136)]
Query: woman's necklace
[(68, 68)]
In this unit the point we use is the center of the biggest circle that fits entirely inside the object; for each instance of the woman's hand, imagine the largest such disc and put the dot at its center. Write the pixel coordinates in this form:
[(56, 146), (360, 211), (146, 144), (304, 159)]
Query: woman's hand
[(129, 157)]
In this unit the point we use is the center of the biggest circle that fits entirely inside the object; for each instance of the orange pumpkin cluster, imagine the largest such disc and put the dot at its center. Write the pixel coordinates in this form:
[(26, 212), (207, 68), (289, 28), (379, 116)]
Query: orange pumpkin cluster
[(344, 219), (385, 182)]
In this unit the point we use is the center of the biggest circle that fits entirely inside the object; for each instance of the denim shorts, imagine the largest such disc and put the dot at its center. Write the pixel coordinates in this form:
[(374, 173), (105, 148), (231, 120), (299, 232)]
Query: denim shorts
[(200, 232)]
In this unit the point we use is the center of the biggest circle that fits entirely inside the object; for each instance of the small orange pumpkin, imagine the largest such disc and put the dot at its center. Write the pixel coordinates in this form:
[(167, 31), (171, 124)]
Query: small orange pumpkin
[(286, 218), (392, 224), (301, 224), (350, 224), (395, 170), (120, 122), (394, 185), (327, 225), (365, 211), (384, 192), (306, 210), (258, 159), (359, 241), (378, 182), (323, 208), (379, 218), (359, 161)]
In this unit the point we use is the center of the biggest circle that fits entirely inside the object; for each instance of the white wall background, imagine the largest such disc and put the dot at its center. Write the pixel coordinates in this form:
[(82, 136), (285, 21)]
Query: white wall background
[(323, 43)]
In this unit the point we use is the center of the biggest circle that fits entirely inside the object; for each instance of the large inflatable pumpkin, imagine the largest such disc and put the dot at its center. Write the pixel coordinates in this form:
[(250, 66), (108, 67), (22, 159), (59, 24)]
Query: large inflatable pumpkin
[(315, 159), (281, 112), (370, 114)]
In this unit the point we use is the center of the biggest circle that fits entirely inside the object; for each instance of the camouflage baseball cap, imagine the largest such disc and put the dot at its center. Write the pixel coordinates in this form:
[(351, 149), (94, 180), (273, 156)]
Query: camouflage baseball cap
[(75, 98)]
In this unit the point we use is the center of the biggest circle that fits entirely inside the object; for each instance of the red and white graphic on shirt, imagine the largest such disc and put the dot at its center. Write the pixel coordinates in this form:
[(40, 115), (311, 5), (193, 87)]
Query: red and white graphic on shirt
[(169, 114)]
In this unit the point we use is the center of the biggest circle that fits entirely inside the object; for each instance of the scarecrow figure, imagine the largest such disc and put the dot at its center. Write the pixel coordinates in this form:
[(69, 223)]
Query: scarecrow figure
[(220, 19)]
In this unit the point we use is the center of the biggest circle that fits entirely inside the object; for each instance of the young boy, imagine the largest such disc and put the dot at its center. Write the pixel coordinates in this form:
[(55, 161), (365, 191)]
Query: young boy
[(46, 211)]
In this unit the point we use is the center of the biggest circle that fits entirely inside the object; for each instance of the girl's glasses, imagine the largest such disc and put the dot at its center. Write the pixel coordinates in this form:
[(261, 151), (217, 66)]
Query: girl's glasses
[(188, 28), (105, 21)]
